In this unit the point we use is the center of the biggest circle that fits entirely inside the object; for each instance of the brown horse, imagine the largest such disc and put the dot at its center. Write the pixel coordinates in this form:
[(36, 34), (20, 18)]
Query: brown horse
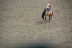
[(48, 13)]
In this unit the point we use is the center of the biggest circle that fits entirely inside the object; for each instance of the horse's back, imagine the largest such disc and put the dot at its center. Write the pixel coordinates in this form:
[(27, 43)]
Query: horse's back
[(48, 13)]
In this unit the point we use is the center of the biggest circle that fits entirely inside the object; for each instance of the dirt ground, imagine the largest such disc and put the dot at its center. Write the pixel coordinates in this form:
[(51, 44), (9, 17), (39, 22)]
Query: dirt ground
[(21, 24)]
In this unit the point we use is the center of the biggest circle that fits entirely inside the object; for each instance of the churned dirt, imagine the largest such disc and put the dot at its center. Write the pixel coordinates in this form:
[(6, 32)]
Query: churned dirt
[(21, 24)]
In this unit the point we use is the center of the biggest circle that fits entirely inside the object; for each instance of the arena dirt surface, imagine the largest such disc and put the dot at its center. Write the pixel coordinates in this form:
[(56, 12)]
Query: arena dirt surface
[(21, 24)]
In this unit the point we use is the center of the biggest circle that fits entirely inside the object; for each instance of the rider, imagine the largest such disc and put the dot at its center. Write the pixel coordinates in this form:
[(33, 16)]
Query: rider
[(48, 7)]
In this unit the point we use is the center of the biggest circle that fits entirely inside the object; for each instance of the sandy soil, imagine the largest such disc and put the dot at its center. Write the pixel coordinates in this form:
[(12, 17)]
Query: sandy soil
[(21, 24)]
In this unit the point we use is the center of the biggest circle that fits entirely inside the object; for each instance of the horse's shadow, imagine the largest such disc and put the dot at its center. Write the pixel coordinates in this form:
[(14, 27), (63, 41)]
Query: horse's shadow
[(42, 22), (47, 20)]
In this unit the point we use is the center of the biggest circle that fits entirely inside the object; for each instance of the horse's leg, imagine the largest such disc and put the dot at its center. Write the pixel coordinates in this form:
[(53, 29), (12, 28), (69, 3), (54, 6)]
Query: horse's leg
[(45, 17), (49, 18), (51, 15)]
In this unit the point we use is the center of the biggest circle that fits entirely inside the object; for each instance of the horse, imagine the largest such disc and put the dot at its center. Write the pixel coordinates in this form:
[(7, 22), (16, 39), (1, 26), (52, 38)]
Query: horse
[(48, 13)]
